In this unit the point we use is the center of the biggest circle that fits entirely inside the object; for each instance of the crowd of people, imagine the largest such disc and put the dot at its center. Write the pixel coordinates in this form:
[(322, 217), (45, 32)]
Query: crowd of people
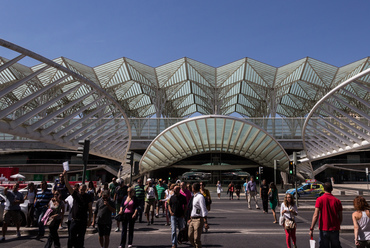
[(185, 207)]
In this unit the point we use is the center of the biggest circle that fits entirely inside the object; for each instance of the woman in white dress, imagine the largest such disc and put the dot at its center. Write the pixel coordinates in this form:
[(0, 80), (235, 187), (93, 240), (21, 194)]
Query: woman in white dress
[(219, 189)]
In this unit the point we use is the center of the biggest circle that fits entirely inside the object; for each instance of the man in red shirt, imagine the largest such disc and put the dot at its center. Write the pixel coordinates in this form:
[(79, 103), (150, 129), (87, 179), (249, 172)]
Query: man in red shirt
[(330, 210)]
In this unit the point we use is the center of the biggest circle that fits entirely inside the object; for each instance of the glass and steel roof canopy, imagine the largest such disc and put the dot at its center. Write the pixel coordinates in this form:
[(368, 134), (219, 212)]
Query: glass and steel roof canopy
[(213, 133)]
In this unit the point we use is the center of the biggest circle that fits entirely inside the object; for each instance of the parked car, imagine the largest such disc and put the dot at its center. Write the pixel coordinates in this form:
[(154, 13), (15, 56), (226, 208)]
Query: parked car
[(24, 209), (308, 189), (38, 186)]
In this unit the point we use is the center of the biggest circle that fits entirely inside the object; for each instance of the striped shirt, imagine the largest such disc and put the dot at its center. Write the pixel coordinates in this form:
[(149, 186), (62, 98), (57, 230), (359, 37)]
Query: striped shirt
[(140, 192), (43, 198)]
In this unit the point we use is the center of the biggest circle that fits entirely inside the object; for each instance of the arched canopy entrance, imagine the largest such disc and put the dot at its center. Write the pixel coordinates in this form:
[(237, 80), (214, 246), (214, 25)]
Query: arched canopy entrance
[(211, 134)]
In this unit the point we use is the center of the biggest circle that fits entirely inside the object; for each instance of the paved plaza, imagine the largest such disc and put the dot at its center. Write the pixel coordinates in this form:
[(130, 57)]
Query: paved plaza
[(232, 224)]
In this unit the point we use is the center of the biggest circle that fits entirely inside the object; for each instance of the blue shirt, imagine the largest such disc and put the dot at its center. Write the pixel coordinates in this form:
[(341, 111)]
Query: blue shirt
[(252, 187), (12, 196), (43, 198)]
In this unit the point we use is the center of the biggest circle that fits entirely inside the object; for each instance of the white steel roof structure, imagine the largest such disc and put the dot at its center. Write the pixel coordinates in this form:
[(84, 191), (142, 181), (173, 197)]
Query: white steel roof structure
[(213, 133), (340, 121), (60, 105), (185, 87)]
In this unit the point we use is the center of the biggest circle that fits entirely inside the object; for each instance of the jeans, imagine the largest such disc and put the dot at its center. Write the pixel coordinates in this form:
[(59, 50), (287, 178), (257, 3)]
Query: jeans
[(290, 234), (77, 230), (40, 211), (127, 219), (140, 210), (53, 235), (329, 239), (176, 222)]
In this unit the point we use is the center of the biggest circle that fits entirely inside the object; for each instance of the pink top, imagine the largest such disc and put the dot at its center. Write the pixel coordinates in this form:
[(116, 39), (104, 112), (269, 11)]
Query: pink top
[(130, 207), (187, 194)]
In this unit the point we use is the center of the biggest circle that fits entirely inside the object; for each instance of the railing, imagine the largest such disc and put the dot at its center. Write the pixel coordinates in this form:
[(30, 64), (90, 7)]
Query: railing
[(149, 128)]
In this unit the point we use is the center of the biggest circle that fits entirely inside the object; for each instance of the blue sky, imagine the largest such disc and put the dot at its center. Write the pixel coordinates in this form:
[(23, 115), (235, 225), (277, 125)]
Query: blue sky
[(213, 32)]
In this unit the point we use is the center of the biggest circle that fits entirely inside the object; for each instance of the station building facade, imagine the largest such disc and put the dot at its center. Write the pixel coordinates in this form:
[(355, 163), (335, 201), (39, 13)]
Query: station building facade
[(184, 115)]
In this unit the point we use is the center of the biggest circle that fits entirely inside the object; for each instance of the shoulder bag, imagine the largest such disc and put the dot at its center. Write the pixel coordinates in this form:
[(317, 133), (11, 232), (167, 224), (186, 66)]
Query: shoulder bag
[(289, 223), (120, 217)]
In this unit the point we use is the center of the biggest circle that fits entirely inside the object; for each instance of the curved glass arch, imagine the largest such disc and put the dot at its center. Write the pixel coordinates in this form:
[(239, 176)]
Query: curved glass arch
[(213, 133), (340, 121)]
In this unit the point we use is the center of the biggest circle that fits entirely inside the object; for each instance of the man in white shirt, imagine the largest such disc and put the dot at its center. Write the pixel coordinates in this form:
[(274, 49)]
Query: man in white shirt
[(198, 217)]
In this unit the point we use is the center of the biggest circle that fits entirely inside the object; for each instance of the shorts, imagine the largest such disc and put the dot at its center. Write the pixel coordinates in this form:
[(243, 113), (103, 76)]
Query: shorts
[(149, 206), (104, 229), (14, 215), (118, 207)]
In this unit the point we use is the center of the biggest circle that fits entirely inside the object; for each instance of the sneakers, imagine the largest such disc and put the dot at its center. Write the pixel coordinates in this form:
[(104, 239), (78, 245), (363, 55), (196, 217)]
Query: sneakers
[(2, 239), (129, 246), (117, 229), (18, 234), (157, 216)]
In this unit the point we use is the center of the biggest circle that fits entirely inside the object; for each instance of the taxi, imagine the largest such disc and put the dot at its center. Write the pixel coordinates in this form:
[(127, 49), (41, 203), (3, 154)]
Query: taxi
[(310, 188)]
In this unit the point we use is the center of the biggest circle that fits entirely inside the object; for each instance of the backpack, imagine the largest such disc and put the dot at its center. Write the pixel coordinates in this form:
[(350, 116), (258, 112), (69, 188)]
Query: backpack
[(150, 193)]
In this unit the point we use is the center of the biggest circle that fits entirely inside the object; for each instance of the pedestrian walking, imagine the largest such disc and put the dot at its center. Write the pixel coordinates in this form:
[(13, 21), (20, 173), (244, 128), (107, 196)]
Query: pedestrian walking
[(103, 218), (63, 194), (238, 188), (177, 208), (245, 187), (185, 191), (206, 194), (264, 193), (42, 200), (198, 217), (140, 197), (112, 186), (231, 190), (252, 192), (56, 206), (91, 191), (120, 193), (129, 210), (161, 187), (81, 210), (30, 196), (361, 222), (12, 211), (289, 211), (69, 205), (169, 193), (219, 189), (329, 209), (273, 197), (150, 198)]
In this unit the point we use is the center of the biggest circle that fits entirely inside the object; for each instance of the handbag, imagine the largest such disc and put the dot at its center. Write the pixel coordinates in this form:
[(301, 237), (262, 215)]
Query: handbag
[(289, 223), (281, 220)]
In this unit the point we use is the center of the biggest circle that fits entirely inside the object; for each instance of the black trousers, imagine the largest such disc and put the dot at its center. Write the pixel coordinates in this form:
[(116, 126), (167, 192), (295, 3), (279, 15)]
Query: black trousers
[(127, 220), (53, 235), (265, 203), (76, 235)]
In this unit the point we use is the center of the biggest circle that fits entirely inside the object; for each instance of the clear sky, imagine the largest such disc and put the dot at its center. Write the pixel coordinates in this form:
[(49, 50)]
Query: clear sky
[(214, 32)]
